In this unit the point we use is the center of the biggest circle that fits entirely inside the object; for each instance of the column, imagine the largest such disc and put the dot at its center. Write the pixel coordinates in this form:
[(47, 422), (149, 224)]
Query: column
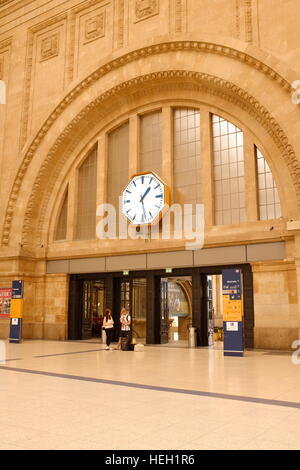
[(199, 320), (153, 309)]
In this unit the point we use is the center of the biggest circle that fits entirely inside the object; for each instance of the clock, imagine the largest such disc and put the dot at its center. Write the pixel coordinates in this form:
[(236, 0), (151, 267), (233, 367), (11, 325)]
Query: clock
[(145, 198)]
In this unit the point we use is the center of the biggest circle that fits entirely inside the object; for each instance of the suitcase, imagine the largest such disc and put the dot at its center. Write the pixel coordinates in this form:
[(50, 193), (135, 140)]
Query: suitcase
[(125, 343)]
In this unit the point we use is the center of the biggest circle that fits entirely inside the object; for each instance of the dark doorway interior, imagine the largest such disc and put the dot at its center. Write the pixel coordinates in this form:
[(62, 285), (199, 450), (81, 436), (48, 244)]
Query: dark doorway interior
[(146, 294), (131, 293)]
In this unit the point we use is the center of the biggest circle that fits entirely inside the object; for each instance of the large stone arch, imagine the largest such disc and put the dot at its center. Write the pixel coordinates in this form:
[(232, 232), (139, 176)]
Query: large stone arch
[(93, 97)]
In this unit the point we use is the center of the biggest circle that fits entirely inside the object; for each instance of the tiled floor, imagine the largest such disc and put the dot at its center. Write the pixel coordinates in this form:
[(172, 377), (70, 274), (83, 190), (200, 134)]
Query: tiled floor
[(76, 395)]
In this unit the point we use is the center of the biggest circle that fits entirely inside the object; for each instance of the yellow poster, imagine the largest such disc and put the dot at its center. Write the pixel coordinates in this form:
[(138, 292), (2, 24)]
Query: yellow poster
[(16, 308), (232, 309)]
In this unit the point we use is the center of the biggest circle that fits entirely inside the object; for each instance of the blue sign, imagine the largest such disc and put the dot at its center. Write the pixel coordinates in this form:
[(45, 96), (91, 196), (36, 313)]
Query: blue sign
[(232, 312), (233, 339), (17, 289), (15, 331), (231, 280)]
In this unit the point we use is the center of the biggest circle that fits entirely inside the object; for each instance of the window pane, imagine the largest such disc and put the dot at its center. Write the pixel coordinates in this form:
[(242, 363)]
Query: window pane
[(186, 149), (229, 176), (86, 204), (151, 147), (61, 229), (268, 199), (118, 164)]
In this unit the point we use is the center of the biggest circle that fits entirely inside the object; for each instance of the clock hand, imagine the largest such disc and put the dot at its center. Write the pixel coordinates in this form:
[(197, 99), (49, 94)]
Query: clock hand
[(145, 194), (144, 209)]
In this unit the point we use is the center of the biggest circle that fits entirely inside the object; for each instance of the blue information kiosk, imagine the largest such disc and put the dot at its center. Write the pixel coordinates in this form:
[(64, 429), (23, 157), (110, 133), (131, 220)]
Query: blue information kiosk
[(16, 312), (233, 312)]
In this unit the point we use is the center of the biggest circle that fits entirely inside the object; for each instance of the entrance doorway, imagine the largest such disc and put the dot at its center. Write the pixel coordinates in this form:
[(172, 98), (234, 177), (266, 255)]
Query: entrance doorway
[(215, 311), (131, 293), (175, 309), (162, 305), (93, 297)]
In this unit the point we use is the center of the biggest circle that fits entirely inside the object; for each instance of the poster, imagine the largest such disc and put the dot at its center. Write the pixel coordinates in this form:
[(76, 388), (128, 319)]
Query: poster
[(232, 295), (5, 301), (177, 302)]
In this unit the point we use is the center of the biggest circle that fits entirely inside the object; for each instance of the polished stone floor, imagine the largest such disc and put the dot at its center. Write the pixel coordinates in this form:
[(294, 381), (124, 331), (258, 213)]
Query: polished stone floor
[(77, 395)]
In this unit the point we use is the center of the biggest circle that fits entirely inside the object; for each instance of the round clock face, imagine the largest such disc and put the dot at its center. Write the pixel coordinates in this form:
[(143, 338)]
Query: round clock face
[(143, 199)]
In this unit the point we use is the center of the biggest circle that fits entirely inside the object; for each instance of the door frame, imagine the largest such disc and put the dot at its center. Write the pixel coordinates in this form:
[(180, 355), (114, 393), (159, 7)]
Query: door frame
[(199, 307)]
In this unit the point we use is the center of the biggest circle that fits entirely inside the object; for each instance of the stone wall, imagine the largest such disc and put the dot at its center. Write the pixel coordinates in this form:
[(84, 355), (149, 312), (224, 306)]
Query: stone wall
[(76, 69), (277, 319), (45, 313)]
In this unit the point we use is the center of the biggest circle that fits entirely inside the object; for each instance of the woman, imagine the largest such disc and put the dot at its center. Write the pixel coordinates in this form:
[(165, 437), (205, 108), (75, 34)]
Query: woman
[(125, 322), (108, 325)]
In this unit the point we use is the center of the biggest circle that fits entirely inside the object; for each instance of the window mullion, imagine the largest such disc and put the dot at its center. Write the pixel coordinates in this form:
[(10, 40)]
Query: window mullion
[(134, 144), (207, 166), (102, 149), (167, 153), (250, 178), (72, 205)]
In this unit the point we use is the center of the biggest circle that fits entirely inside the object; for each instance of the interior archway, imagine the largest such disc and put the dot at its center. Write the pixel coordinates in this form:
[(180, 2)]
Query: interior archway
[(72, 122)]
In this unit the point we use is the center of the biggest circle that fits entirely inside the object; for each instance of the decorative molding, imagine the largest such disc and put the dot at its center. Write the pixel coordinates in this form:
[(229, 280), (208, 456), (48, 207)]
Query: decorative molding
[(73, 16), (248, 21), (264, 116), (4, 47), (6, 43), (4, 2), (28, 71), (180, 16), (121, 24), (238, 18), (94, 28), (49, 47), (145, 9)]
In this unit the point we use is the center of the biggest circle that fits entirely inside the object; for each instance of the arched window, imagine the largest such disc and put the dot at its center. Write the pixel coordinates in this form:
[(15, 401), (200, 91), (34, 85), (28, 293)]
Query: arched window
[(201, 155), (86, 198), (268, 198), (61, 227), (228, 172)]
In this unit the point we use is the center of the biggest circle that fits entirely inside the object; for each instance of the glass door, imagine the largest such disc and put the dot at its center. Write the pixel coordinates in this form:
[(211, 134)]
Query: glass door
[(210, 309), (139, 308), (164, 311), (133, 297), (93, 308), (125, 295)]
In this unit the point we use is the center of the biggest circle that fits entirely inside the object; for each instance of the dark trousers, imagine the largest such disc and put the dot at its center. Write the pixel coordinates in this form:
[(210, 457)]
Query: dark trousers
[(109, 335)]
